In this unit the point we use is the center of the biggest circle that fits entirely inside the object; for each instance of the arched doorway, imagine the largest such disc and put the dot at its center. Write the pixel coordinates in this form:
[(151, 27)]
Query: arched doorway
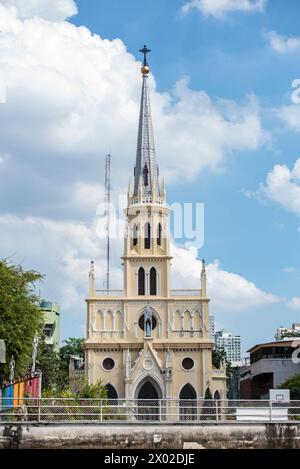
[(111, 403), (112, 394), (148, 395), (188, 403)]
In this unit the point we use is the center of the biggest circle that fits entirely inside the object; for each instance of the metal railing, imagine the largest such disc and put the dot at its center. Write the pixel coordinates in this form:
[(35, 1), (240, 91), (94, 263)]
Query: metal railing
[(110, 293), (185, 292), (159, 411), (187, 333)]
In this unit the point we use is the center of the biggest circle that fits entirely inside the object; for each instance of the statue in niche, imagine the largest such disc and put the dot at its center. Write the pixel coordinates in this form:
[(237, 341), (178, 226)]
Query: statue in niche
[(148, 322)]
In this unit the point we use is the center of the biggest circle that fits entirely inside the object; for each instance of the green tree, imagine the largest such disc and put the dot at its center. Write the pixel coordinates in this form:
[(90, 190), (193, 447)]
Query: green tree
[(48, 362), (20, 316), (293, 384), (73, 347), (93, 391), (219, 356)]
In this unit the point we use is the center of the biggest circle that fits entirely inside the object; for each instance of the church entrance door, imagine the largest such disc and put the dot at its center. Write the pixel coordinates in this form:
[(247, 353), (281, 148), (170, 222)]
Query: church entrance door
[(188, 403), (148, 402)]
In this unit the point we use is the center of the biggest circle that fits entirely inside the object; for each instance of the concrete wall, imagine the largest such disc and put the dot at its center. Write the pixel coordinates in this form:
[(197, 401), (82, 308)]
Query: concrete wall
[(282, 369), (95, 436)]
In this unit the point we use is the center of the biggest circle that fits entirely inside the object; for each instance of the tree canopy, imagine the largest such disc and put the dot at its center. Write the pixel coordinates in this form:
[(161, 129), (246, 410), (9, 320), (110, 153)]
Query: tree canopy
[(218, 356), (20, 315), (48, 362), (73, 346), (293, 384)]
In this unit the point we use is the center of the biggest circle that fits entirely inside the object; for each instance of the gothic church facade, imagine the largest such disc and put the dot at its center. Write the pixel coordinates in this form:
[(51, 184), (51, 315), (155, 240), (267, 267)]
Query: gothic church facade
[(149, 341)]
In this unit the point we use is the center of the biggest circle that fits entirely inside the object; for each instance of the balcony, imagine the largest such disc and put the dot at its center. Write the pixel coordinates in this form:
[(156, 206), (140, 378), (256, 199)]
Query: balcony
[(186, 293), (217, 373), (147, 200), (110, 293), (187, 333), (121, 293), (107, 335)]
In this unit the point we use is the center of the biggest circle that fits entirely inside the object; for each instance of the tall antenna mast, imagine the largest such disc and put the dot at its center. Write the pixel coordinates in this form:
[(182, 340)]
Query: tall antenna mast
[(107, 214)]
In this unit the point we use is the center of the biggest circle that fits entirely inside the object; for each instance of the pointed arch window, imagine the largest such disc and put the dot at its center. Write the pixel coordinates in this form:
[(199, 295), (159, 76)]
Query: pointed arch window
[(147, 235), (153, 281), (135, 235), (159, 231), (141, 281)]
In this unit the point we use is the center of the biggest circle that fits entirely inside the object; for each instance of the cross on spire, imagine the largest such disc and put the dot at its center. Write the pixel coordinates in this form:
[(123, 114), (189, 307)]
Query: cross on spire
[(145, 51), (146, 170)]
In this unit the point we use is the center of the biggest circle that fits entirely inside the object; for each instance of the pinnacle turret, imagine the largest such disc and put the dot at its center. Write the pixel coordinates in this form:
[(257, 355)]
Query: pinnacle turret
[(146, 170)]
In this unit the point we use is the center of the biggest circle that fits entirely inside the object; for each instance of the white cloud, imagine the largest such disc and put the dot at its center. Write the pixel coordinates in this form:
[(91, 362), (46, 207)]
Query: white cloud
[(228, 291), (294, 304), (283, 44), (196, 131), (291, 116), (218, 8), (282, 186), (289, 270), (52, 10), (72, 96), (61, 250), (3, 158)]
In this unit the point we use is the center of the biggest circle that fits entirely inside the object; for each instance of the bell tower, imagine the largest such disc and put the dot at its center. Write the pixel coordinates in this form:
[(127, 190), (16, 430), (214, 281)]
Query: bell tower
[(146, 249), (148, 341)]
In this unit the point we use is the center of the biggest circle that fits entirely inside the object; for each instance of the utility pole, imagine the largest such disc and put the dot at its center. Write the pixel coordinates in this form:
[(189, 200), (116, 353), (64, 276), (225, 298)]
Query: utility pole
[(107, 214)]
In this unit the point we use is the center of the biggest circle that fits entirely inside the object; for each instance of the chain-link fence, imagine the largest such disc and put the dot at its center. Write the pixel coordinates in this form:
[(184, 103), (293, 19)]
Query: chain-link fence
[(147, 410)]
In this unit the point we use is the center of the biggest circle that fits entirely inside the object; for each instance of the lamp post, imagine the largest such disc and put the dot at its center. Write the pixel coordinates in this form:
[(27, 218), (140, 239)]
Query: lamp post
[(34, 352), (12, 365)]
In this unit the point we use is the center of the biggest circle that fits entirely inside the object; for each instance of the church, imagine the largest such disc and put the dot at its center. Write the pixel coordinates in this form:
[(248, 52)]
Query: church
[(149, 341)]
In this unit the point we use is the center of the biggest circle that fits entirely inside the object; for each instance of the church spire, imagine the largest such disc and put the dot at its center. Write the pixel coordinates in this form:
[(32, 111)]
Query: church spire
[(146, 171)]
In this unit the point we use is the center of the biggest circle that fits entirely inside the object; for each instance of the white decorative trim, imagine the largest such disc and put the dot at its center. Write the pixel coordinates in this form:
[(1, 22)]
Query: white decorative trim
[(152, 377), (184, 369), (150, 301), (148, 364), (104, 369)]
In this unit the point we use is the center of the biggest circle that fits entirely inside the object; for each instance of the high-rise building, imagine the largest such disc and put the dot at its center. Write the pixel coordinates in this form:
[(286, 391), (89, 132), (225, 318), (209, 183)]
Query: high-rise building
[(231, 344), (51, 324), (286, 333), (148, 341)]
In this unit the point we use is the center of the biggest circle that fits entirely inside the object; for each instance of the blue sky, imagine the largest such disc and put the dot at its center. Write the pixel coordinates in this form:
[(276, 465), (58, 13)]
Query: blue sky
[(251, 222), (228, 58)]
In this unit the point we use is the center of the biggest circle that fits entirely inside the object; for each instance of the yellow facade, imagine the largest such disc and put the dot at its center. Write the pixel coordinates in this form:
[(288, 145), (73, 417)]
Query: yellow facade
[(168, 355)]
